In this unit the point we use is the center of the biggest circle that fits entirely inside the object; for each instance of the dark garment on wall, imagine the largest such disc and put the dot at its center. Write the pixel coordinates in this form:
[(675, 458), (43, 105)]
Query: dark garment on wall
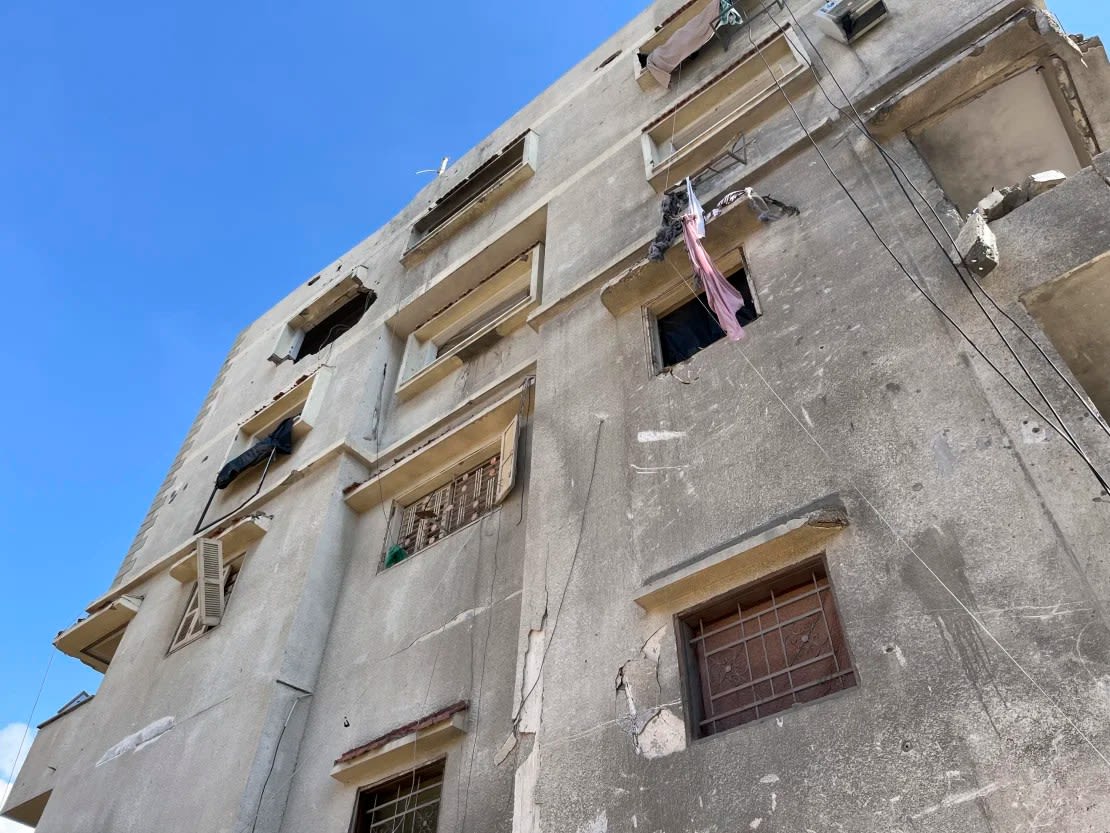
[(670, 231), (280, 441)]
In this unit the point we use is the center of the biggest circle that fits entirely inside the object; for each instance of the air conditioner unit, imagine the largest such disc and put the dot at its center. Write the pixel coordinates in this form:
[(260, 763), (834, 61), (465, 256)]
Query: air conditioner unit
[(847, 20)]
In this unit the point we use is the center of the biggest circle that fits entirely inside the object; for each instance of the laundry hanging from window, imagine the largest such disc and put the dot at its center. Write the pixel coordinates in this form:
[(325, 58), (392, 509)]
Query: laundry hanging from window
[(280, 441), (682, 45), (723, 298)]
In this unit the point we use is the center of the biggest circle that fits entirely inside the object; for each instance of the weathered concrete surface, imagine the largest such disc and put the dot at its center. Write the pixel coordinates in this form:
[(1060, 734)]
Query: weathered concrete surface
[(973, 579)]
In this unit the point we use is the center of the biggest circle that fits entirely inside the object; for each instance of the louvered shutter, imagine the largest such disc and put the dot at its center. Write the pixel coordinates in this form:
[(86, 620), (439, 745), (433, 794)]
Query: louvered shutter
[(210, 581), (506, 472)]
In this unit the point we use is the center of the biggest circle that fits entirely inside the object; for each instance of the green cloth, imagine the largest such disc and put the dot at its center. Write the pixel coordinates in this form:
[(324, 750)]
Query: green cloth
[(396, 555)]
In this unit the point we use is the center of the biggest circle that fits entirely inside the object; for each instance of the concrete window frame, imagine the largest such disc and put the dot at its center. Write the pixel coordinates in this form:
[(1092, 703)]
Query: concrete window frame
[(687, 137), (291, 335), (776, 636), (680, 292), (495, 308), (304, 401), (489, 182)]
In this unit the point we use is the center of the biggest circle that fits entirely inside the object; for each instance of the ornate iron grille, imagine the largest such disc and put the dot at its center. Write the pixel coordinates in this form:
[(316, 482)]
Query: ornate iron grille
[(768, 649), (449, 508)]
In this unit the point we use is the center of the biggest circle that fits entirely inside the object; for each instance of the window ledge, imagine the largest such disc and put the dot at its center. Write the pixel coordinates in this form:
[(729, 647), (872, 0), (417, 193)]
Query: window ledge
[(420, 243), (512, 319), (738, 99), (408, 747), (94, 640), (646, 279), (236, 538), (755, 555), (453, 453)]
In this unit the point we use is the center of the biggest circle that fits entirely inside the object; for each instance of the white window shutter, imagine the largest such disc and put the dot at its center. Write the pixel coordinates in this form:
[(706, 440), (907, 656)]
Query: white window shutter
[(506, 472), (210, 581), (296, 341)]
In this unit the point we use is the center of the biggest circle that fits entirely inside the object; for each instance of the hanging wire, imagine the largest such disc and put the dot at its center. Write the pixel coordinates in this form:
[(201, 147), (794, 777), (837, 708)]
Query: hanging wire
[(896, 168), (27, 730), (913, 280), (566, 584)]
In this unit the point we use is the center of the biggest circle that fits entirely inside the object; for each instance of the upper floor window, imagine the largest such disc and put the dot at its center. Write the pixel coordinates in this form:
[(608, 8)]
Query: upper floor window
[(193, 625), (330, 315), (691, 135), (764, 649), (491, 181), (493, 309)]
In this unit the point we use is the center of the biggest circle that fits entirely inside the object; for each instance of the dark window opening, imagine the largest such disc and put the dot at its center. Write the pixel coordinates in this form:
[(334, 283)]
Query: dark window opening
[(764, 650), (335, 325), (409, 804), (486, 176), (693, 327)]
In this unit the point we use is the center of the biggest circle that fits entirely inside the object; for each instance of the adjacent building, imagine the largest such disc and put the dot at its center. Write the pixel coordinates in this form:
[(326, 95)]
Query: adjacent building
[(513, 538)]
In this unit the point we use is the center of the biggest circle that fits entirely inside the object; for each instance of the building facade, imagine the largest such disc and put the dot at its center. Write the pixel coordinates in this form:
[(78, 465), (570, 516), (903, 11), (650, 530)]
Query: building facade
[(512, 538)]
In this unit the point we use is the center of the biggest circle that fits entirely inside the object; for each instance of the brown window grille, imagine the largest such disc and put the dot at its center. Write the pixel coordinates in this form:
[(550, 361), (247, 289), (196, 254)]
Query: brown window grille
[(409, 804), (765, 649), (449, 508), (191, 627)]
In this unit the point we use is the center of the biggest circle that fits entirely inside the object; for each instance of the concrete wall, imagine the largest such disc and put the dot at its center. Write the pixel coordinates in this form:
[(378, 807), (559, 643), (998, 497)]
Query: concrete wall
[(972, 579)]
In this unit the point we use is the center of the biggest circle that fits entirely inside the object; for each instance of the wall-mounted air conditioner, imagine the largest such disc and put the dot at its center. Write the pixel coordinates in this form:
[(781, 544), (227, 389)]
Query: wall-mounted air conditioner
[(847, 20)]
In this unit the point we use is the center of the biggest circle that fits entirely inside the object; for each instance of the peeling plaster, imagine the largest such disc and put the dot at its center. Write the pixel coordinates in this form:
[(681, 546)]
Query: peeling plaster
[(598, 825), (956, 799), (138, 740), (656, 730), (659, 436)]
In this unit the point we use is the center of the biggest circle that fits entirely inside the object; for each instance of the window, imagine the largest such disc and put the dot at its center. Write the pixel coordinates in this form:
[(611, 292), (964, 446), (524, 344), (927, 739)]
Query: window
[(692, 326), (459, 503), (493, 309), (192, 627), (492, 180), (335, 325), (763, 650), (692, 135), (409, 804), (333, 312)]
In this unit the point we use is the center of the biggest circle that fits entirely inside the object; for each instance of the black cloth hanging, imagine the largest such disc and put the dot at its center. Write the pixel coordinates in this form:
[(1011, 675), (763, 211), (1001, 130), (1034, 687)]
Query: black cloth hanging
[(280, 441), (670, 229)]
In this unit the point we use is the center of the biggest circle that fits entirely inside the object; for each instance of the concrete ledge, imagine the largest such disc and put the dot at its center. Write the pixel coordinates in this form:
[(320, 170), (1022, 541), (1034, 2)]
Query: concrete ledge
[(236, 538), (94, 639), (406, 748), (761, 552)]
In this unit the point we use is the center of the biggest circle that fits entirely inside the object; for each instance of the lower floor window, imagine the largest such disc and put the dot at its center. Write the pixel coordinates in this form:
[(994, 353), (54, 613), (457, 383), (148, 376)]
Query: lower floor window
[(191, 626), (409, 804), (764, 649)]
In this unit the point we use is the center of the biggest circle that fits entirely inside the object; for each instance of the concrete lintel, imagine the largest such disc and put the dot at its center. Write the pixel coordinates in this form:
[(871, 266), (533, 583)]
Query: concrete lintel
[(235, 538), (756, 554), (402, 754)]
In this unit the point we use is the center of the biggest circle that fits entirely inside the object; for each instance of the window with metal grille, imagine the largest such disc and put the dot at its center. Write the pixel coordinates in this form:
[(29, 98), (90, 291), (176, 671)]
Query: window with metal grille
[(409, 804), (464, 500), (765, 649), (191, 627)]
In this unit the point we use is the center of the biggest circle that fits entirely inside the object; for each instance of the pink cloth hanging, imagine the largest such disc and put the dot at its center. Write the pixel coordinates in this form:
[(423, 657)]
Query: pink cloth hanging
[(723, 297)]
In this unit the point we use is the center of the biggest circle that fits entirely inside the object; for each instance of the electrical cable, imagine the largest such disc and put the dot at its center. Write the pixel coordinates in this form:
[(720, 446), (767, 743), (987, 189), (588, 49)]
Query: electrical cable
[(896, 167), (852, 484), (12, 770), (202, 526), (566, 584), (273, 762), (909, 275)]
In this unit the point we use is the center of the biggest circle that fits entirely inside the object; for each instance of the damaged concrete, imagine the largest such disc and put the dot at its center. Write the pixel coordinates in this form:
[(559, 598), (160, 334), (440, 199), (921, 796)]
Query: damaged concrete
[(962, 538)]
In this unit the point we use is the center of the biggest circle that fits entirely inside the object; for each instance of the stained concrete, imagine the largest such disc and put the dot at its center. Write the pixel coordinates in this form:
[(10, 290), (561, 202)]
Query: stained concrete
[(972, 578)]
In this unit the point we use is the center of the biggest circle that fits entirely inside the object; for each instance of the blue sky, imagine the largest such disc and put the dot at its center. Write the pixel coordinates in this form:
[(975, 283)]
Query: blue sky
[(168, 172)]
